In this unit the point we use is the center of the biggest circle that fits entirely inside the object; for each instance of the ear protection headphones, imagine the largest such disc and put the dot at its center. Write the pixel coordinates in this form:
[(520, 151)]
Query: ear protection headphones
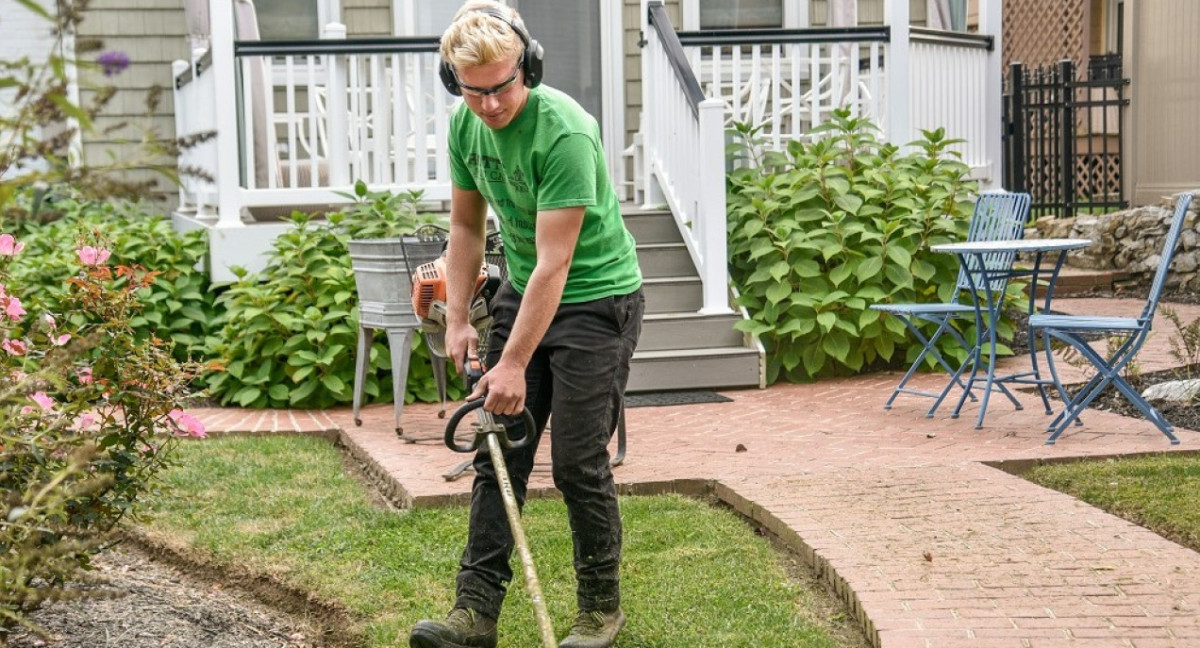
[(531, 60)]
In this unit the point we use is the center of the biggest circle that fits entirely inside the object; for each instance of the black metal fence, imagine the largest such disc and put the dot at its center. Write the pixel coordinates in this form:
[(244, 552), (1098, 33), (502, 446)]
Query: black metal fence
[(1062, 136)]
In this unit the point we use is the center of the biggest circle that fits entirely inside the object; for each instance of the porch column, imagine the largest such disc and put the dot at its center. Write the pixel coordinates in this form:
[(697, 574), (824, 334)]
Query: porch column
[(991, 22), (225, 99), (898, 129)]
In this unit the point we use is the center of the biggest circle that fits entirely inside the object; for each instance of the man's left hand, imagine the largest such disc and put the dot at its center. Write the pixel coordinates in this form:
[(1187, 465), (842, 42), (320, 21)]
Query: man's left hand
[(504, 386)]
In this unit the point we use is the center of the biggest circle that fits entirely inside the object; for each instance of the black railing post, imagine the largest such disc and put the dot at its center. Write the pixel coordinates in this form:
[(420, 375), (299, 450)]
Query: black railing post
[(1019, 180), (1066, 69)]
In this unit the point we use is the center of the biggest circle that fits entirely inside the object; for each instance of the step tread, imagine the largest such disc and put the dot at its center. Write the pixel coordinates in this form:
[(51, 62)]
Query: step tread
[(727, 351)]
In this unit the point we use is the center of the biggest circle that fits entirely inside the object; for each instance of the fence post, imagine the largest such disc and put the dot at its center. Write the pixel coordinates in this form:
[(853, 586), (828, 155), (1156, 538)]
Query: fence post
[(1066, 69), (711, 212), (899, 75), (991, 24), (336, 113), (224, 71), (1018, 178)]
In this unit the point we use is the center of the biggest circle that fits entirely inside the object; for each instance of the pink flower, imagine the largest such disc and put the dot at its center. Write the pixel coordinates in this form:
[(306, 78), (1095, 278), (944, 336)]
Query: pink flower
[(49, 320), (84, 375), (60, 340), (43, 401), (188, 424), (12, 307), (86, 421), (14, 347), (9, 245), (92, 256), (17, 375)]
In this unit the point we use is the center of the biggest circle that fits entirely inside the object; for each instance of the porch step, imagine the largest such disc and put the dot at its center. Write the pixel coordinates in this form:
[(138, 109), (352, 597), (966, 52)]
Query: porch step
[(717, 368), (1075, 281), (652, 226), (676, 331), (665, 260), (673, 294)]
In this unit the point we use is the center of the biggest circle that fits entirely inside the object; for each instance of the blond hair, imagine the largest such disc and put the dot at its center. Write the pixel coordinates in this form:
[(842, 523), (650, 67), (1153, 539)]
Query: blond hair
[(476, 38)]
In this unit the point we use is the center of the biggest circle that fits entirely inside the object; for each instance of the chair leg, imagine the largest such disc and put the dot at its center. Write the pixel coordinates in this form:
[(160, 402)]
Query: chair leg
[(928, 348), (1148, 410)]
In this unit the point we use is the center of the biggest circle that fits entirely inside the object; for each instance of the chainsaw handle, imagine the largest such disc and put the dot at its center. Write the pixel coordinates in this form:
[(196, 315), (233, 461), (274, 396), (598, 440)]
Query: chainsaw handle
[(480, 438)]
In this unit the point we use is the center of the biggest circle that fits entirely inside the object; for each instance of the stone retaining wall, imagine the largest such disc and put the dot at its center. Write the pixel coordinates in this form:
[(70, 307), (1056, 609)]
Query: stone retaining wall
[(1131, 241)]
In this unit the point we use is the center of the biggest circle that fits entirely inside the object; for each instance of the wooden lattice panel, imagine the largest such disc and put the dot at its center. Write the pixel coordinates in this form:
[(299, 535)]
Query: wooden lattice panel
[(1044, 31)]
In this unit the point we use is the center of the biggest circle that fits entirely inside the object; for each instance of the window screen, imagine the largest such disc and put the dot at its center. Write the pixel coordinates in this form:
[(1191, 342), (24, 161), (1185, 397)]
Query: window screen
[(279, 19), (734, 14)]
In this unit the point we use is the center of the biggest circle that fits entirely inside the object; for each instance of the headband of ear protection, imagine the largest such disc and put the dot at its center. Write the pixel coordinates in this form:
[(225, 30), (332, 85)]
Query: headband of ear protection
[(531, 61)]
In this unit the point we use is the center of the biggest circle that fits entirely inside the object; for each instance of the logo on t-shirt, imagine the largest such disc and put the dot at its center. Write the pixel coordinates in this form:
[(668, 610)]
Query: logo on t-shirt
[(517, 180)]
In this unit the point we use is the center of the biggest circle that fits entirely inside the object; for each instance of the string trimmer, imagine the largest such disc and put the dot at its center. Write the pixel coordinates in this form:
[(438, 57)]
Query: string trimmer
[(495, 435)]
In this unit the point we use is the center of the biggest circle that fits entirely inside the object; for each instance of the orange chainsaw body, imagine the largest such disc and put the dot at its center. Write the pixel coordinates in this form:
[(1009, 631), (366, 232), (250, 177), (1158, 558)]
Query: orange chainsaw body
[(429, 285)]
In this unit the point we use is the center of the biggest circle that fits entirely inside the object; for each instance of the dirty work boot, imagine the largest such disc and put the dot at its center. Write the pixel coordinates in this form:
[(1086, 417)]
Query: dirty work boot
[(594, 629), (463, 628)]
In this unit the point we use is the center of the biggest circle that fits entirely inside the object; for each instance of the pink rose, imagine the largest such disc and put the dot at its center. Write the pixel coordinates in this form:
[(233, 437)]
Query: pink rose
[(92, 256), (84, 375), (60, 340), (9, 245), (14, 347), (12, 307), (43, 401), (86, 421), (187, 424), (49, 320)]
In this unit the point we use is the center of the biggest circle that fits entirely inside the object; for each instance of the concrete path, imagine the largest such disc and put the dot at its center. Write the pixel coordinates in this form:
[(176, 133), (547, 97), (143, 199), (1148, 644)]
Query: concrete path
[(910, 519)]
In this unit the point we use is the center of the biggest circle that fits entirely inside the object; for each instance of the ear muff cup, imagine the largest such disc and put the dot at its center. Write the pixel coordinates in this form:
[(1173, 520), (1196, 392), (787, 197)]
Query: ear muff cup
[(531, 60)]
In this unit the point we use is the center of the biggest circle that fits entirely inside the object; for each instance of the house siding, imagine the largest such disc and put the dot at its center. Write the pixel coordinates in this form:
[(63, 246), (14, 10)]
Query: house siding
[(22, 33), (152, 33), (365, 18), (1163, 63)]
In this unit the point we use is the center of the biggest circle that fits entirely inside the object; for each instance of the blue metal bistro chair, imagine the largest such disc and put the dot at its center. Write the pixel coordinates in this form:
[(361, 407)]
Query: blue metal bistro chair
[(1072, 329), (998, 216)]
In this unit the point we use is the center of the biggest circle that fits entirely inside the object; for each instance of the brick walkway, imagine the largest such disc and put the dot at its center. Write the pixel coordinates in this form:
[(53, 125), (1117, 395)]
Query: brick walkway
[(908, 517)]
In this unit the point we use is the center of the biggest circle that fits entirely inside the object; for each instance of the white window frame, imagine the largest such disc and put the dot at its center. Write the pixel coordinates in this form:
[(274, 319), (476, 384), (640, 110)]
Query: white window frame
[(612, 74), (795, 14)]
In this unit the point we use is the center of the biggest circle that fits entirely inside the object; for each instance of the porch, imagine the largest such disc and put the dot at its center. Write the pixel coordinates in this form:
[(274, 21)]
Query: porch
[(299, 121)]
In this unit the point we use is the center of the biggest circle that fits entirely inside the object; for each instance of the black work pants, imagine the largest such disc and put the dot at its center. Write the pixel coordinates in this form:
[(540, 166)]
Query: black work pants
[(577, 374)]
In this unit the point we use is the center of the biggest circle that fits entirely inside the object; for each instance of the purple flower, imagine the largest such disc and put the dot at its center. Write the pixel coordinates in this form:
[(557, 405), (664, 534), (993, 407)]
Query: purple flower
[(113, 62)]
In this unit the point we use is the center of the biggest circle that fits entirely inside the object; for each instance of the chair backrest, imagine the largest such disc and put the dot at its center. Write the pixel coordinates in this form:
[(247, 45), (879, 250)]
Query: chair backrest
[(998, 216), (1168, 253)]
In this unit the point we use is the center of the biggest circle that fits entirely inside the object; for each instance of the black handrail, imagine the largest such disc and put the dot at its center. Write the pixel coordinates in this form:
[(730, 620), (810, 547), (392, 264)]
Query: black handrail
[(771, 36), (400, 45), (683, 71), (958, 39)]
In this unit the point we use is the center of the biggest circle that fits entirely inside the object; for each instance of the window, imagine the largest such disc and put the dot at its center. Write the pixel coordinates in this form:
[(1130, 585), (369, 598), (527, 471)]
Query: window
[(740, 14), (287, 19)]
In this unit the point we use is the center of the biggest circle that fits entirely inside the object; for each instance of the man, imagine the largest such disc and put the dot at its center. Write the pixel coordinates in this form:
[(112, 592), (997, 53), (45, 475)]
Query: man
[(565, 323)]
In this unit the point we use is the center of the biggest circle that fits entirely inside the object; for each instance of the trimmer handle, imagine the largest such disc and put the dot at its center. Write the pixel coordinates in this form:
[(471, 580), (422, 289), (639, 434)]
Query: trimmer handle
[(480, 439), (473, 370)]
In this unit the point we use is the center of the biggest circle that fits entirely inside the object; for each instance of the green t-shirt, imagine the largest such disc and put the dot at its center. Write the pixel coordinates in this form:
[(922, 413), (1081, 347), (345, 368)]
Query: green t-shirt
[(548, 157)]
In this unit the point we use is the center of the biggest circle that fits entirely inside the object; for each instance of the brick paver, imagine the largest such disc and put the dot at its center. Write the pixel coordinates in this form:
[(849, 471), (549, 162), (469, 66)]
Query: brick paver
[(907, 517)]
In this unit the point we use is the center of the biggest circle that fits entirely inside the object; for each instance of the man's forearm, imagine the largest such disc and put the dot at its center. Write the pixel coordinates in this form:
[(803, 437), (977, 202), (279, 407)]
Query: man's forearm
[(538, 307), (463, 260)]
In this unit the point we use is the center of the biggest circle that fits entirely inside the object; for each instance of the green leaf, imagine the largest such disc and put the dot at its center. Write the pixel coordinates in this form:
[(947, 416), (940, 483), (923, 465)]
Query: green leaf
[(247, 395), (333, 383), (778, 292), (849, 203), (869, 268), (36, 8), (278, 392), (826, 320), (298, 394)]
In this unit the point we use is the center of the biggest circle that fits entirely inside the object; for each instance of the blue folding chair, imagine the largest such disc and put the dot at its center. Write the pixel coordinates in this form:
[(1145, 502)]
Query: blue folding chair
[(1071, 329), (998, 216)]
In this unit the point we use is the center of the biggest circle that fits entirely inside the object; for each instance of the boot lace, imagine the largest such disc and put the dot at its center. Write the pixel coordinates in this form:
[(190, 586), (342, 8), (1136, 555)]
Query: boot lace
[(589, 623)]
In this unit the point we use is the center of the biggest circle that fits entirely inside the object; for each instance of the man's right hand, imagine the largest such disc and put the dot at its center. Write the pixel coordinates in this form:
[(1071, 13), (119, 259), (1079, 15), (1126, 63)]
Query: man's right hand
[(462, 340)]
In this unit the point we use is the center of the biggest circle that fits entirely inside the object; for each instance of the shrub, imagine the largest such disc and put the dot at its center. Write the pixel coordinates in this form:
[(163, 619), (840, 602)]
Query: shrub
[(177, 306), (820, 232), (289, 335), (88, 413)]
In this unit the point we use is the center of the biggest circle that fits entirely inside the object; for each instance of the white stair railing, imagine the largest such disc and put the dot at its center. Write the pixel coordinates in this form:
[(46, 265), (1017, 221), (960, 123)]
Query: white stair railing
[(195, 113), (683, 145), (949, 91)]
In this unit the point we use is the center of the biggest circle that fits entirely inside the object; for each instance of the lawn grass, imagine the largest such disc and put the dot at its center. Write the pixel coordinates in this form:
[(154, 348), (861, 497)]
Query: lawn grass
[(693, 575), (1159, 492)]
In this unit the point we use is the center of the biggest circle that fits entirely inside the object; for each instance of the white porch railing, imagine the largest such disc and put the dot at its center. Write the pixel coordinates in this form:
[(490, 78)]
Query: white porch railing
[(949, 90), (314, 117), (790, 81), (684, 147)]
